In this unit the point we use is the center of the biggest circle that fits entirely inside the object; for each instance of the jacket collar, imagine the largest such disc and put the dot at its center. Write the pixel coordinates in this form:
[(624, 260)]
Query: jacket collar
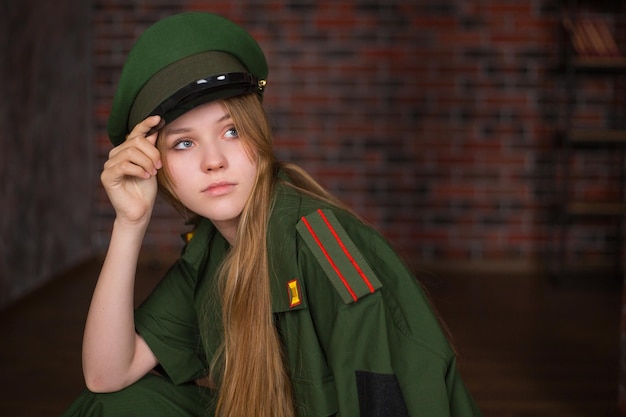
[(286, 285)]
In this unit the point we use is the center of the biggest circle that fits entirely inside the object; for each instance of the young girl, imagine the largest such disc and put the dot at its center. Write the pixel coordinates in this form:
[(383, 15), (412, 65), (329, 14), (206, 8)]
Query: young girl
[(283, 302)]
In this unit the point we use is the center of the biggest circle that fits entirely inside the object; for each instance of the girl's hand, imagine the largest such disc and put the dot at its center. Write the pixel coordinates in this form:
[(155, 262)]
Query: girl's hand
[(129, 175)]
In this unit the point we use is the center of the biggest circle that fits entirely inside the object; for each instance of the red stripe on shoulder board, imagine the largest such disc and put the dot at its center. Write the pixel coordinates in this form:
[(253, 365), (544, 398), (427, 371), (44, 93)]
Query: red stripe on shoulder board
[(346, 251), (329, 259)]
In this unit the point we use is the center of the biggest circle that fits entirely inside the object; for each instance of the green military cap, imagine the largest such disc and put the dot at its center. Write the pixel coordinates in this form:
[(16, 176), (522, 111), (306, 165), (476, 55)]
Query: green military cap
[(183, 61)]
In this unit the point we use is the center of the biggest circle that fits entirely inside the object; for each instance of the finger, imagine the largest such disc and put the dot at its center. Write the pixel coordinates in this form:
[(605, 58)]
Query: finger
[(153, 130), (135, 156), (141, 144), (148, 148), (119, 173), (145, 127)]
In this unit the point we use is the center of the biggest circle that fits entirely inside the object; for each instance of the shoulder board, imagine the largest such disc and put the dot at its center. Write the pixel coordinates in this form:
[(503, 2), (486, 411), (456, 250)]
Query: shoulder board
[(338, 256)]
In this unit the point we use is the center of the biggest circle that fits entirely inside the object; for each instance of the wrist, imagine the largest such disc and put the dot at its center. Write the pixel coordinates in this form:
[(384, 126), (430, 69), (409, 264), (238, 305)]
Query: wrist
[(131, 226)]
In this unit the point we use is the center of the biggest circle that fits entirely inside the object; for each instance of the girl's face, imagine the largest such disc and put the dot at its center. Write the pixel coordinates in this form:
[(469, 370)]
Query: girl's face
[(209, 168)]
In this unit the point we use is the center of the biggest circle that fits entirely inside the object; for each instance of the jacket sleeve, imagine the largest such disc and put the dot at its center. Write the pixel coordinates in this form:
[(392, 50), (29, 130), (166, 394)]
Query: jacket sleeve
[(385, 348), (383, 367), (168, 323)]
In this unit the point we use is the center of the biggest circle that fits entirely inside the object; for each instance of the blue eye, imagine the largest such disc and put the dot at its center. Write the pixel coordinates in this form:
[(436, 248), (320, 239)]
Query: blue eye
[(183, 144), (231, 133)]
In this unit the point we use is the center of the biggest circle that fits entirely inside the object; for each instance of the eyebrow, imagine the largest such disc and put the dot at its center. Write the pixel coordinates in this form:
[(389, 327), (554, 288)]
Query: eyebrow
[(170, 131), (226, 116)]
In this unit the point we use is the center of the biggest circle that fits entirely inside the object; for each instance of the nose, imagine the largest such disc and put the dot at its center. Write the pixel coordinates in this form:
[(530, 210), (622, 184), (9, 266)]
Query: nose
[(213, 158)]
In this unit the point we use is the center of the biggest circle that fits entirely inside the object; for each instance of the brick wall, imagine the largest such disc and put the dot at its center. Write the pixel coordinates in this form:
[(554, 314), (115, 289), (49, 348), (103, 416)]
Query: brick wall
[(433, 119)]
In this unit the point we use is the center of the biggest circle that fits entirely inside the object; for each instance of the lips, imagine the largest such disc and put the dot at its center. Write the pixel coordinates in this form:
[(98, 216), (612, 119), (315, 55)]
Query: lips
[(219, 188)]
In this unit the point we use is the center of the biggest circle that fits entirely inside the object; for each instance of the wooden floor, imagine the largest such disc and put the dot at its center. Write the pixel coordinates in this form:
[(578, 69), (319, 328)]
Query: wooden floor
[(526, 347)]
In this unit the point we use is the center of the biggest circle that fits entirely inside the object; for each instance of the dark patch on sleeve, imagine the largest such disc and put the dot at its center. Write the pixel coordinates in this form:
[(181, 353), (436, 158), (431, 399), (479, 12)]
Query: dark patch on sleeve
[(380, 395)]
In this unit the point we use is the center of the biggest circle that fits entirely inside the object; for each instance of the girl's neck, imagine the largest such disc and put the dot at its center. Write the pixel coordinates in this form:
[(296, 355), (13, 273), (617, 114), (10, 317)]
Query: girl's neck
[(228, 229)]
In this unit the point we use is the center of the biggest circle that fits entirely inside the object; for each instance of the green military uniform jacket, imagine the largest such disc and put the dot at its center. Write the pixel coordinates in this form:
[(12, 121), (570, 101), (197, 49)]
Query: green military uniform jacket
[(358, 332)]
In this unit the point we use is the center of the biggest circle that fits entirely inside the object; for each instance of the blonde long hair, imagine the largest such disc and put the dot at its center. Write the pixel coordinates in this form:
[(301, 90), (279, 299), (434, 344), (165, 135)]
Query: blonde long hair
[(249, 367)]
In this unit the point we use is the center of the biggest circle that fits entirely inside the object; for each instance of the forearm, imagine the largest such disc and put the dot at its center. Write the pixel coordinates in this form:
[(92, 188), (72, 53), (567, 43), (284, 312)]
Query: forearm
[(112, 358)]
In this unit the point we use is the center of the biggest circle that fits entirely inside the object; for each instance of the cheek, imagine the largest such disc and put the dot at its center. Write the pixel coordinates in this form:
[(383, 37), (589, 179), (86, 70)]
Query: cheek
[(240, 157), (176, 171), (248, 167)]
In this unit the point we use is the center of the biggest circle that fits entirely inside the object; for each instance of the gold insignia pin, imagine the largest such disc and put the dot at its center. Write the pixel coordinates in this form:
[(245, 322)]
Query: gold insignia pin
[(293, 288)]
